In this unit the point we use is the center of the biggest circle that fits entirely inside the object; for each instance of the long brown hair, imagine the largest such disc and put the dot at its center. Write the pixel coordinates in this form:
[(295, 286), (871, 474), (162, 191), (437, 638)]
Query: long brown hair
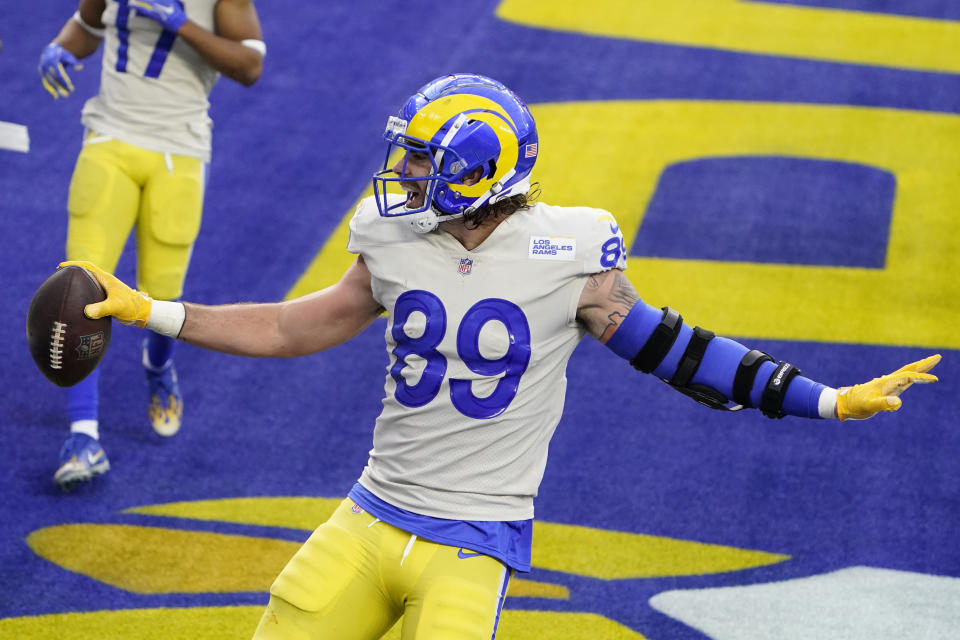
[(503, 207)]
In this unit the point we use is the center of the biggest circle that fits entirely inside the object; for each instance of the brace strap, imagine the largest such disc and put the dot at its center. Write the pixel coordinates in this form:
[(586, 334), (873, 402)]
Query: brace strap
[(771, 403), (656, 348), (746, 374), (690, 361)]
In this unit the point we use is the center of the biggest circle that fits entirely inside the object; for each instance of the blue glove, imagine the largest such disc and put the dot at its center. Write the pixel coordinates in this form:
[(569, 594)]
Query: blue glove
[(53, 75), (169, 13)]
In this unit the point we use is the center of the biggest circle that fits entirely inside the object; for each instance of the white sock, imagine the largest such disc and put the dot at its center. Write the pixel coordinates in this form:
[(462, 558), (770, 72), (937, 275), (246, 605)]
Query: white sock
[(89, 427)]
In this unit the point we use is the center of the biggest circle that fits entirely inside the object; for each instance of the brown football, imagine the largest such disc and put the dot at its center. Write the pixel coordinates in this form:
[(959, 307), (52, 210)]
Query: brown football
[(67, 345)]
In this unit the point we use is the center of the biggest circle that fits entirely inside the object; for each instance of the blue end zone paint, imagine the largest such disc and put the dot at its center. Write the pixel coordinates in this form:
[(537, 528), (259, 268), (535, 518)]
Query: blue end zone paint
[(942, 9), (770, 209)]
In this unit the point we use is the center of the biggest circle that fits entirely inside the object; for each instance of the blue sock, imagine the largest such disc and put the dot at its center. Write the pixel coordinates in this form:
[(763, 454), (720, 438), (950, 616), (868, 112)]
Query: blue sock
[(83, 398), (159, 349)]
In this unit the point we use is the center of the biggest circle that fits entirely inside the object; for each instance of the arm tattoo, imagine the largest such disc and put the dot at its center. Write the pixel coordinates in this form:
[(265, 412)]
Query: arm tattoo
[(622, 295), (616, 319), (623, 292)]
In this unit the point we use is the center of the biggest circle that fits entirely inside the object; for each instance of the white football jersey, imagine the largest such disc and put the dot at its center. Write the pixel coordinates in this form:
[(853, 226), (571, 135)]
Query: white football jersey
[(478, 342), (154, 87)]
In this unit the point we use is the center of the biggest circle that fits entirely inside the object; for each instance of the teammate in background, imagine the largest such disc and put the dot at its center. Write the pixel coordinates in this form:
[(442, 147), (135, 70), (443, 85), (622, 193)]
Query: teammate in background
[(486, 295), (144, 164)]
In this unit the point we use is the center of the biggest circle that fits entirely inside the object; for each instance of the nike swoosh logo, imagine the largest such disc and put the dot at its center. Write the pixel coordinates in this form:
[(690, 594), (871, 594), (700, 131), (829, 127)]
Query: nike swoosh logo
[(614, 228), (463, 555), (94, 458), (162, 9)]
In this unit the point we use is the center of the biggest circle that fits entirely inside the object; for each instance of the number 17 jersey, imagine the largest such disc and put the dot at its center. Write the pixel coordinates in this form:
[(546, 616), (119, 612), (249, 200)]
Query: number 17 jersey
[(154, 87), (478, 344)]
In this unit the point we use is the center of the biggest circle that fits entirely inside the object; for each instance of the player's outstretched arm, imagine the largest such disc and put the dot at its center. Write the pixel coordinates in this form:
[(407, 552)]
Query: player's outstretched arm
[(235, 49), (302, 326), (722, 373), (297, 327), (80, 37)]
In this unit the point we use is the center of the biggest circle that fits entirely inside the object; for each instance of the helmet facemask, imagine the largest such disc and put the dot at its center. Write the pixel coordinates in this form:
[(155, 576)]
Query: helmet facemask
[(446, 166)]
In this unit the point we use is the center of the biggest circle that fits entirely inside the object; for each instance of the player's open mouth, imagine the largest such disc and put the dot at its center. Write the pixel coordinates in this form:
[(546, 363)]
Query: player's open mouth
[(415, 195)]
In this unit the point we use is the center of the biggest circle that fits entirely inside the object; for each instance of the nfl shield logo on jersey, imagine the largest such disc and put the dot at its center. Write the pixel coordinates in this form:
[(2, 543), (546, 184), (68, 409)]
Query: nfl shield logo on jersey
[(466, 266)]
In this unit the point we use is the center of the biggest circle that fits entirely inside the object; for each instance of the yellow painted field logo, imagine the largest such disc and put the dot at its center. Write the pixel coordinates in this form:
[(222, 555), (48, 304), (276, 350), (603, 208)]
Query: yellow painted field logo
[(153, 560)]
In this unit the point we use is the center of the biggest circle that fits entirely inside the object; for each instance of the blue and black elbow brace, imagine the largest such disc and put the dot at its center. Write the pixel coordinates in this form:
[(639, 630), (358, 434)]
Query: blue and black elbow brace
[(715, 371)]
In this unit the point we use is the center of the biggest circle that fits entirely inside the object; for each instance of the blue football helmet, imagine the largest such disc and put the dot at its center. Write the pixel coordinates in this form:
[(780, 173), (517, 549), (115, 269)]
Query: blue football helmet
[(462, 121)]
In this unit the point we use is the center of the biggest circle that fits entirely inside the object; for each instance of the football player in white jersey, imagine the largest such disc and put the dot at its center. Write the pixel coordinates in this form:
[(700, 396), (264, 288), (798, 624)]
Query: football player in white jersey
[(486, 295), (143, 165)]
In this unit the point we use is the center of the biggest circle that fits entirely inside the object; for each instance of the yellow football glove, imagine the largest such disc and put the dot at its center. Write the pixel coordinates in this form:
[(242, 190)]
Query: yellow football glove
[(123, 303), (882, 394)]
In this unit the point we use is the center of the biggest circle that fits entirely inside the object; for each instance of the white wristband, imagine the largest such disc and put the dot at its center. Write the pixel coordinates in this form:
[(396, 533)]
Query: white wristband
[(166, 318), (828, 403), (257, 45), (97, 33)]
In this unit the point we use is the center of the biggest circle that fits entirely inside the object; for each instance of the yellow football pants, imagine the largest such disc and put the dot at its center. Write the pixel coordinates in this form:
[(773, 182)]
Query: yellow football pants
[(355, 576), (116, 186)]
